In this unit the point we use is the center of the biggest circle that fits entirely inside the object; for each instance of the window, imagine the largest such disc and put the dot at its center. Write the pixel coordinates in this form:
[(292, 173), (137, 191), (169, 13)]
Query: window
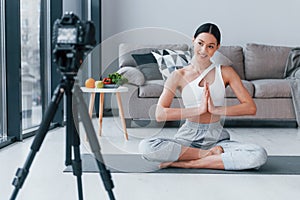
[(25, 33), (30, 64)]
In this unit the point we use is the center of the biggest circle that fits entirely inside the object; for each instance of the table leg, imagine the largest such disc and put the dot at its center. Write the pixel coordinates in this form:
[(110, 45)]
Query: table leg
[(91, 105), (101, 104), (121, 113)]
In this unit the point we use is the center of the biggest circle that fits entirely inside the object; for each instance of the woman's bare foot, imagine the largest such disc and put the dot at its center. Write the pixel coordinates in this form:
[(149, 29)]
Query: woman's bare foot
[(209, 162), (217, 150), (165, 165)]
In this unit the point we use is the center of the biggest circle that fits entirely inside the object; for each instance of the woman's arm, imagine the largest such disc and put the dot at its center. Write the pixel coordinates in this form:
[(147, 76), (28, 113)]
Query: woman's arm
[(246, 106), (165, 113)]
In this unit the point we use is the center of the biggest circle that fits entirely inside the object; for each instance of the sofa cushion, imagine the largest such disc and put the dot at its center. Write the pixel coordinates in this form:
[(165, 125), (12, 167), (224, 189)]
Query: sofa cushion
[(126, 49), (147, 64), (247, 84), (236, 56), (169, 60), (272, 88), (264, 61), (133, 75), (152, 88)]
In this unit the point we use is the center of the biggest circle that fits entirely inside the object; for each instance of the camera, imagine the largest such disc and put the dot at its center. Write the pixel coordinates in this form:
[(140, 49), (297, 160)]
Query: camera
[(72, 38)]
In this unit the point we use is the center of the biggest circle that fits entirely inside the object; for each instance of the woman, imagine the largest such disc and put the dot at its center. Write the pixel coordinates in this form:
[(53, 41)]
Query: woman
[(202, 142)]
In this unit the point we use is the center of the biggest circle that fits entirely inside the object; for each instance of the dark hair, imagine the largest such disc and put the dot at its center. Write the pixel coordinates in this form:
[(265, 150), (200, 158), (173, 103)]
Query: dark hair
[(209, 28)]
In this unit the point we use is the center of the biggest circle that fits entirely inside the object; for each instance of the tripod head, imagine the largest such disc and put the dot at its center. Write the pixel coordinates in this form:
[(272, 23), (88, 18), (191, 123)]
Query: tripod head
[(72, 39)]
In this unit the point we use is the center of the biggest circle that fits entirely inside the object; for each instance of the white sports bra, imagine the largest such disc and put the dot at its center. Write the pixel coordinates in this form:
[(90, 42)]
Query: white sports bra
[(192, 92)]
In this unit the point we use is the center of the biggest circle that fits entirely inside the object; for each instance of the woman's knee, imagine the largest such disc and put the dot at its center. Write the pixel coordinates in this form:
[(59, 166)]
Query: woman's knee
[(145, 146), (244, 156), (258, 158), (159, 150), (146, 149)]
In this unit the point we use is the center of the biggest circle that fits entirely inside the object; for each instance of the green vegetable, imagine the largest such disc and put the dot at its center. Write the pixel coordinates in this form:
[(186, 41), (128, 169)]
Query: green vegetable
[(117, 78)]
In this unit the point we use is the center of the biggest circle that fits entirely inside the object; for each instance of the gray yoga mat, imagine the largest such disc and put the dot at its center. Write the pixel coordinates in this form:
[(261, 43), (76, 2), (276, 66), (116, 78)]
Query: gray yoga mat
[(134, 163)]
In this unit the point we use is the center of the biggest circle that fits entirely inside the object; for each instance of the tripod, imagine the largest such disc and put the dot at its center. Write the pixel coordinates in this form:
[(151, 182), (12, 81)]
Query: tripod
[(72, 137)]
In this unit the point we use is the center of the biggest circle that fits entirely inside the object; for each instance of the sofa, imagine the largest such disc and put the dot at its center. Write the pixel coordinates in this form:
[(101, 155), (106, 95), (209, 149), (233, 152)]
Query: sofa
[(261, 68)]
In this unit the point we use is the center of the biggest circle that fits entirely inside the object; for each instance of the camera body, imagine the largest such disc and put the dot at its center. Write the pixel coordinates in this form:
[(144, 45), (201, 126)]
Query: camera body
[(71, 39)]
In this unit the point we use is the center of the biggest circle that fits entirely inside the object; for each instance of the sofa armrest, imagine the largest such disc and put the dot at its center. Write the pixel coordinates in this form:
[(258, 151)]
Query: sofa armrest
[(133, 75)]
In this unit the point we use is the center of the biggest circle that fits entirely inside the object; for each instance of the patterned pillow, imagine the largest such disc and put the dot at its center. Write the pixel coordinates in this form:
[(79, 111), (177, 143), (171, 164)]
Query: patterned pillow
[(171, 60)]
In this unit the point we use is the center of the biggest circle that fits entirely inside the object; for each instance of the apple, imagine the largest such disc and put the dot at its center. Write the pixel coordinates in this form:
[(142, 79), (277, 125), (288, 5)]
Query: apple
[(99, 84)]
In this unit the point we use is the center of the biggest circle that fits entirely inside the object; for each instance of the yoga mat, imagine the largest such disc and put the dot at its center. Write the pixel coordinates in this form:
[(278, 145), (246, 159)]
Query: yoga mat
[(134, 163)]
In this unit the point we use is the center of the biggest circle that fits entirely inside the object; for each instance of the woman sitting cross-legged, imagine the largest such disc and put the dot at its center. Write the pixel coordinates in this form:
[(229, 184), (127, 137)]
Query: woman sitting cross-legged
[(202, 142)]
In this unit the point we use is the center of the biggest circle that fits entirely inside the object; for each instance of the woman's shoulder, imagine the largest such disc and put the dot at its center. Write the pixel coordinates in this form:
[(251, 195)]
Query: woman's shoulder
[(229, 73), (179, 74), (227, 69), (184, 70)]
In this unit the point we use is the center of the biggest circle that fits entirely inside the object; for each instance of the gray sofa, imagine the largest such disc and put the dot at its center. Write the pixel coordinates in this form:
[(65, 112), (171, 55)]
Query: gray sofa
[(261, 68)]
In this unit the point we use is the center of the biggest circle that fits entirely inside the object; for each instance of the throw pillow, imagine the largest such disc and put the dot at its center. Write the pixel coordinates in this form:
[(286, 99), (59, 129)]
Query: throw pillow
[(150, 71), (147, 64), (133, 75), (171, 60), (141, 59), (220, 59)]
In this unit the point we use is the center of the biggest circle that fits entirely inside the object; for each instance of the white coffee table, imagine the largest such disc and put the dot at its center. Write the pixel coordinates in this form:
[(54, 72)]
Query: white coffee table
[(103, 91)]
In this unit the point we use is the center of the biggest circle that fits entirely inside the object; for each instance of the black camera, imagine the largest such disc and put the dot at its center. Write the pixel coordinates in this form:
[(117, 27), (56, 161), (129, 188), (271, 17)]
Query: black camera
[(72, 38)]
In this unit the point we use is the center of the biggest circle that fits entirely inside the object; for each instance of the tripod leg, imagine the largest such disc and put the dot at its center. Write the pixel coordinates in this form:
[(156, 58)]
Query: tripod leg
[(93, 140), (74, 142), (38, 140), (69, 127), (77, 170)]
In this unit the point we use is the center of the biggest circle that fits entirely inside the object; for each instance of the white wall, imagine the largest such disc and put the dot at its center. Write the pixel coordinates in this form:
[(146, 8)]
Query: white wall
[(73, 6), (273, 22), (261, 21)]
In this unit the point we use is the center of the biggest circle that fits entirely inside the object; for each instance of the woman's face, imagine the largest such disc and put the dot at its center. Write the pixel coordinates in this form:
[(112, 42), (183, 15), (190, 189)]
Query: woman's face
[(205, 45)]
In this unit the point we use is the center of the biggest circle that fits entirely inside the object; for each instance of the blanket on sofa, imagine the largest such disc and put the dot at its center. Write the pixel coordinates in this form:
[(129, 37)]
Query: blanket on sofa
[(292, 72)]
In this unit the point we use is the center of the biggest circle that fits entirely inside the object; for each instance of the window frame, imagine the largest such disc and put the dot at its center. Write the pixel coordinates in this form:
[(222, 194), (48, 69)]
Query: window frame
[(13, 70), (3, 71)]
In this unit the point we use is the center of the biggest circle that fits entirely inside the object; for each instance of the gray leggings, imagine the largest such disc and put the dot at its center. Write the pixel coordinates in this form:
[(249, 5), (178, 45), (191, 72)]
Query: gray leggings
[(236, 156)]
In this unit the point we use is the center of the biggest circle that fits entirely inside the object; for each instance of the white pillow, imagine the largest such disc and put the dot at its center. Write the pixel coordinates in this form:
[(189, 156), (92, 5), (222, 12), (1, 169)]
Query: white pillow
[(220, 59), (133, 75)]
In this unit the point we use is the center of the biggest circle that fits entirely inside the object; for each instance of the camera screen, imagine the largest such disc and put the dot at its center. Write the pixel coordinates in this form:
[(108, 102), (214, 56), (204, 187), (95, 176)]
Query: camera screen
[(67, 35)]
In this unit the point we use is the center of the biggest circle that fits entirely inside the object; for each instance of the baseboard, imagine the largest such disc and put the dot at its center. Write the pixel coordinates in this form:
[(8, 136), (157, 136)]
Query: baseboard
[(7, 141), (261, 123), (242, 123), (109, 112), (152, 123)]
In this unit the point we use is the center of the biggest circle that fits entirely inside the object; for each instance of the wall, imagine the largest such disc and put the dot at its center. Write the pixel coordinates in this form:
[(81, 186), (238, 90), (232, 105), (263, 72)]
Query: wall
[(73, 6), (253, 21), (260, 21)]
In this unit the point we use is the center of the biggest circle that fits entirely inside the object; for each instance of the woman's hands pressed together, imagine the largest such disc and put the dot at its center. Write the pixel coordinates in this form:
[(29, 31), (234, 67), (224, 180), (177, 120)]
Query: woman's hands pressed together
[(204, 101), (207, 104)]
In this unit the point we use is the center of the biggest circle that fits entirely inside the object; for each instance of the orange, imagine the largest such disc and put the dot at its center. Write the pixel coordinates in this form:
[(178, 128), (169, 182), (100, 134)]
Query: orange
[(90, 83)]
